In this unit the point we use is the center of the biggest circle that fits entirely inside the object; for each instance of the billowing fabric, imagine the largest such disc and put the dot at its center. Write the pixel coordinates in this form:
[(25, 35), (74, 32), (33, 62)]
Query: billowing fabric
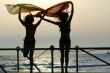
[(14, 9), (52, 11)]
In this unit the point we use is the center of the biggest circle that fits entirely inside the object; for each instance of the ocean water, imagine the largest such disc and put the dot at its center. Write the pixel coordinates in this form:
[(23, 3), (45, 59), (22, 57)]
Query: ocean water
[(43, 62)]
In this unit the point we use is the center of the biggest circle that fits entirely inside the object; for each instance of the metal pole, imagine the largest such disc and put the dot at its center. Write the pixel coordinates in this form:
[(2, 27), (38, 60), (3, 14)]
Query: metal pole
[(95, 57), (17, 59), (52, 57), (3, 69), (77, 48)]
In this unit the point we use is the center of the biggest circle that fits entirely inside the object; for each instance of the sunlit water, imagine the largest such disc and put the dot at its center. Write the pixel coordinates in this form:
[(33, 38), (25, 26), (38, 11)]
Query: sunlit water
[(43, 62)]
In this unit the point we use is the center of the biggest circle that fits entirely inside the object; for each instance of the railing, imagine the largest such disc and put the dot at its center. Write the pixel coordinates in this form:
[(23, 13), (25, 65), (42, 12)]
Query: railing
[(77, 48), (88, 48)]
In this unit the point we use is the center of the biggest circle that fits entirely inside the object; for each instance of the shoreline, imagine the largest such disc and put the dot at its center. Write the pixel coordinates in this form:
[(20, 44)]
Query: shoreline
[(47, 72)]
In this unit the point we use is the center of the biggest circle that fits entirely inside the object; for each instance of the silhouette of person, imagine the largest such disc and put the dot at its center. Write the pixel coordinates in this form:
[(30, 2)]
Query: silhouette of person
[(65, 41), (29, 41)]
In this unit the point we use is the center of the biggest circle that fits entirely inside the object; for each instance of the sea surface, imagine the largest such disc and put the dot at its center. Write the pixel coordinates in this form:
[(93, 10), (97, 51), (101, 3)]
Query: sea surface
[(42, 60)]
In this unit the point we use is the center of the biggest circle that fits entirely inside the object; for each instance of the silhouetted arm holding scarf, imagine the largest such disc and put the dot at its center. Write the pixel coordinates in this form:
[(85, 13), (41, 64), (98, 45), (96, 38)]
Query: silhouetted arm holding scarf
[(72, 11), (56, 23), (19, 17), (69, 20), (41, 18)]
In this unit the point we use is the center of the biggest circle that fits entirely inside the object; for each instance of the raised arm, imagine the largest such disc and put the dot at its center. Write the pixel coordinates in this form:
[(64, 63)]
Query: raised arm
[(38, 23), (72, 11), (53, 22), (19, 17)]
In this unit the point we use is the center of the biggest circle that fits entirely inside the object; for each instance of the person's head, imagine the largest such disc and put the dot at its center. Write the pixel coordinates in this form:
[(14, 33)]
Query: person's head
[(29, 19), (63, 16)]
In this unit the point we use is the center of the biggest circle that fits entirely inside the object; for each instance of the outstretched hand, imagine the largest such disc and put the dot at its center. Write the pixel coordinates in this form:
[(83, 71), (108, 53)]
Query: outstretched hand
[(20, 8), (39, 14)]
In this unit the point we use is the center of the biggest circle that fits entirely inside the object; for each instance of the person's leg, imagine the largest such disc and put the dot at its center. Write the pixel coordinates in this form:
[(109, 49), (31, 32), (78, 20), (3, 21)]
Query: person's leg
[(31, 61), (26, 49), (62, 60), (25, 52), (32, 46), (62, 55), (67, 55), (66, 60)]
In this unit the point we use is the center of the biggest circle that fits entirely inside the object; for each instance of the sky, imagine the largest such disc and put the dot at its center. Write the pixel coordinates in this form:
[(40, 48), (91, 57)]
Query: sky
[(90, 26)]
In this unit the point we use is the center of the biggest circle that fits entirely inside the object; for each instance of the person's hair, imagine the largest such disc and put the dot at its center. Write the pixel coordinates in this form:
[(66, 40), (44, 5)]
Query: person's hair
[(63, 16), (29, 19)]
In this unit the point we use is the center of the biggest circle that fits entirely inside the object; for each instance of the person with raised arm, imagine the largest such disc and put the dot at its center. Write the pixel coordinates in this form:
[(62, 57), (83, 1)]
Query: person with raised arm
[(29, 41), (65, 41)]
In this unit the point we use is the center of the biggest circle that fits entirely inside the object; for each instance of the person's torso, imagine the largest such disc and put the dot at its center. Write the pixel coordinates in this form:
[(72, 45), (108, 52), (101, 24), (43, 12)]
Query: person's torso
[(65, 30), (30, 32)]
